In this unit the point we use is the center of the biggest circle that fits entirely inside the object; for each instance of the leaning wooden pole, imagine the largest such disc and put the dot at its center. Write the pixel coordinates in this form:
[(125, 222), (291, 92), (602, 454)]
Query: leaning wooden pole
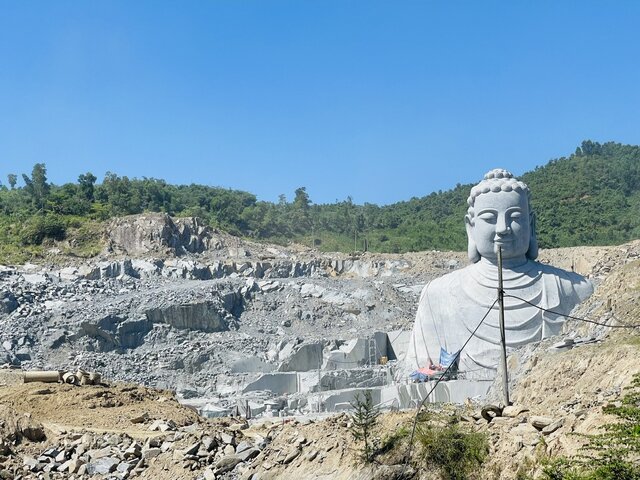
[(503, 341)]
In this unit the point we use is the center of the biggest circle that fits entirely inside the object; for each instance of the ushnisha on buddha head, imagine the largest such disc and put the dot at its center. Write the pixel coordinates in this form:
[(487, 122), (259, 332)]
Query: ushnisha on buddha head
[(500, 216)]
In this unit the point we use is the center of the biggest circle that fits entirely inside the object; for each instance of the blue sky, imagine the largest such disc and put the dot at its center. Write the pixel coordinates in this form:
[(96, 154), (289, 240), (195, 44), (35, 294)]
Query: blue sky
[(381, 101)]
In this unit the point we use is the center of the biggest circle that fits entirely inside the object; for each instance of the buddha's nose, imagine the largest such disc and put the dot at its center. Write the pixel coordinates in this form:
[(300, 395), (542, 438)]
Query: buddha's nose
[(502, 227)]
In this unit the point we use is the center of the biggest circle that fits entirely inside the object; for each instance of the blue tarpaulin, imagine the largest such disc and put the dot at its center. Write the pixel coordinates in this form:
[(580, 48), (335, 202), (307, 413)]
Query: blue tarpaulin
[(446, 359)]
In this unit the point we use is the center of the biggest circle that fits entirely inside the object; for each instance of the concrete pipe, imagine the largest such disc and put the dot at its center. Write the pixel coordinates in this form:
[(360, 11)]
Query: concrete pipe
[(83, 377), (47, 376), (70, 378), (95, 378)]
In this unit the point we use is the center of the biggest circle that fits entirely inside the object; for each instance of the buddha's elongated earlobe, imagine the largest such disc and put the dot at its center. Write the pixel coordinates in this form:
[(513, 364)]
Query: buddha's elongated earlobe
[(472, 249), (532, 253)]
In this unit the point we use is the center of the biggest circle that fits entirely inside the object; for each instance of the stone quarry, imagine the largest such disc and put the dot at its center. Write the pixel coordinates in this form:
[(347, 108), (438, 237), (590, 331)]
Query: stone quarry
[(229, 325), (260, 333)]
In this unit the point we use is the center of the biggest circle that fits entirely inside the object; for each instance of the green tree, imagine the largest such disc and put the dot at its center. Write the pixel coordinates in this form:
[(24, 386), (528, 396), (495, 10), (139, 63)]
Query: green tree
[(120, 194), (300, 219), (66, 200), (301, 200), (37, 186), (363, 420), (13, 179), (86, 182)]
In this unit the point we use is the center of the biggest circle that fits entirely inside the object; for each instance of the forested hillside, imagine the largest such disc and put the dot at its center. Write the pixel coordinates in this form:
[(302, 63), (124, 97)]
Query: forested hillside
[(589, 198)]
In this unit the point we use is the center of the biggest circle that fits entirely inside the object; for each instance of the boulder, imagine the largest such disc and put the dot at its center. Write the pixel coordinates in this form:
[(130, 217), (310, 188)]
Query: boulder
[(552, 427), (248, 454), (513, 410), (8, 302), (102, 466), (227, 463), (540, 422)]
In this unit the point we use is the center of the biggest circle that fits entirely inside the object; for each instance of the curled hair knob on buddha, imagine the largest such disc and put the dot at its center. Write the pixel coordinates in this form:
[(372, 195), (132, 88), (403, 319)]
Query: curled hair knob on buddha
[(497, 180)]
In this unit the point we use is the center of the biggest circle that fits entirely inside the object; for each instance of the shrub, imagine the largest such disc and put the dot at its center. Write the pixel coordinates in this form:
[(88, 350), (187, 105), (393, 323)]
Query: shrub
[(37, 228), (453, 451)]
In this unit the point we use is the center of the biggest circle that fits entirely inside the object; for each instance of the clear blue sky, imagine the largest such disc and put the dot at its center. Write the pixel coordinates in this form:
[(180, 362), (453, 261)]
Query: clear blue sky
[(378, 100)]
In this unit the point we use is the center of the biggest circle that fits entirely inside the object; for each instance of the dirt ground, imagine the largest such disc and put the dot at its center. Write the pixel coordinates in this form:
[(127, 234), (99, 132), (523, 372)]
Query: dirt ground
[(108, 407)]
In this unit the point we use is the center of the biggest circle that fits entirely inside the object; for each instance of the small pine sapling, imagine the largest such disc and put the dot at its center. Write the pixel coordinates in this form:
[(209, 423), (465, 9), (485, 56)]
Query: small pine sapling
[(364, 419)]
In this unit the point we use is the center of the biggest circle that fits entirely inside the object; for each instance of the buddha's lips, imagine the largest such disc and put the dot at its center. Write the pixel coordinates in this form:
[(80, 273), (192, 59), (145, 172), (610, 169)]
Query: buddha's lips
[(503, 241)]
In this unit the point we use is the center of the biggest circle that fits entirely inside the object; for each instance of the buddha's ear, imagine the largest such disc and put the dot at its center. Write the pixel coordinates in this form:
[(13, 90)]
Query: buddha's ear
[(472, 249), (532, 253)]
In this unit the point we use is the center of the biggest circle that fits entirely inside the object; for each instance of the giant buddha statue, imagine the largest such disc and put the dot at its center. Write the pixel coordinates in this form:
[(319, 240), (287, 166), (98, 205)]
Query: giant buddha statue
[(452, 306)]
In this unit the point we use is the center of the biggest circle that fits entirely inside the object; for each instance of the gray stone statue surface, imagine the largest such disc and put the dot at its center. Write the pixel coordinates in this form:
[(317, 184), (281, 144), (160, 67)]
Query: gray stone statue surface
[(451, 307)]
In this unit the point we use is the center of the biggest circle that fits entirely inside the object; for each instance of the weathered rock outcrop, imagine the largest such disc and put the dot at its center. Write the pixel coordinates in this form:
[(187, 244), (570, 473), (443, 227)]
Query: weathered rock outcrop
[(117, 332), (205, 316), (139, 234)]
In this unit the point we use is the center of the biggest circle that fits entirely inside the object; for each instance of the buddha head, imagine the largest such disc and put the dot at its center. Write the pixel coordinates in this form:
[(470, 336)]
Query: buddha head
[(500, 216)]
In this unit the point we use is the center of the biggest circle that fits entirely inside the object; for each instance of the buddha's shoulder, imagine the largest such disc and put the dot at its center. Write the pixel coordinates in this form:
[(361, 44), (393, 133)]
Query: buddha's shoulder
[(549, 270), (446, 283), (568, 281)]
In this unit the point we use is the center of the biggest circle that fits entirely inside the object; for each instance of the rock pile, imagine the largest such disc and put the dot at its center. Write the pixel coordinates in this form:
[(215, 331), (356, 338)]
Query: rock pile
[(516, 421), (617, 257), (196, 447)]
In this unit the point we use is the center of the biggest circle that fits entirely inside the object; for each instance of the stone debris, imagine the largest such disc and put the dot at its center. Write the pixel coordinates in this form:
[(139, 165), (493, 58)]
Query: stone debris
[(541, 422), (197, 447)]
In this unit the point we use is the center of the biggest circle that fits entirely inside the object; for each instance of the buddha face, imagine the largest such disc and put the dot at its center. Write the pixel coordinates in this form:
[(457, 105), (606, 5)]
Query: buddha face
[(501, 219)]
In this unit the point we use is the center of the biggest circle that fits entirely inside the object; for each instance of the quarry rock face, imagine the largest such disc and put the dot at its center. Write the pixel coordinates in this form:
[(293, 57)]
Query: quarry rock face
[(204, 317), (139, 234), (209, 326), (117, 332)]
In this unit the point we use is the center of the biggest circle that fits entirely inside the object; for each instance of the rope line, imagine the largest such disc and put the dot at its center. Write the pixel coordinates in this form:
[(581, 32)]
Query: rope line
[(624, 325)]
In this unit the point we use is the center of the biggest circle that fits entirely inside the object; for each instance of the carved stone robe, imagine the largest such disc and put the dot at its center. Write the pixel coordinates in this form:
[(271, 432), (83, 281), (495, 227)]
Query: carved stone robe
[(452, 306)]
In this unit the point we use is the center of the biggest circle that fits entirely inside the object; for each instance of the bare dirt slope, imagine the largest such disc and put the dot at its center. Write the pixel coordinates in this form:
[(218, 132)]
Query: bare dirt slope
[(108, 407)]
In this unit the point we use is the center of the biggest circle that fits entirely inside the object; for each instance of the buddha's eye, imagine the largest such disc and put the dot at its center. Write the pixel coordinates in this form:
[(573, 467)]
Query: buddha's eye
[(516, 215), (488, 217)]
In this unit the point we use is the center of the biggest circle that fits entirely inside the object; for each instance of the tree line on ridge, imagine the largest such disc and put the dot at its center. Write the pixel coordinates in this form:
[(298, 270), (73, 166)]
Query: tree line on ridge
[(591, 197)]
